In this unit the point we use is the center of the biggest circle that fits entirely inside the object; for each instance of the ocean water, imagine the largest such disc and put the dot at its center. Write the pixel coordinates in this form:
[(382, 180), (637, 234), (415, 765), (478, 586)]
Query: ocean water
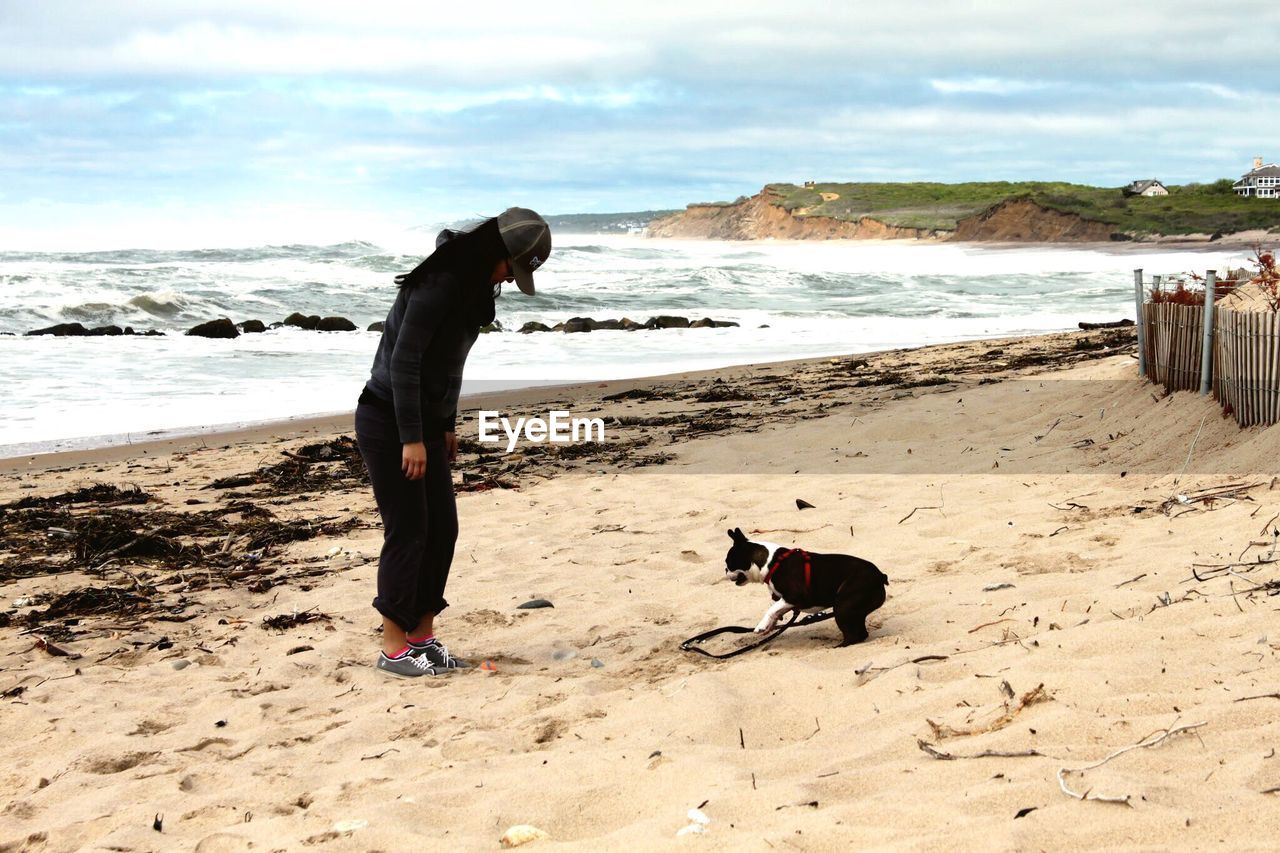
[(793, 300)]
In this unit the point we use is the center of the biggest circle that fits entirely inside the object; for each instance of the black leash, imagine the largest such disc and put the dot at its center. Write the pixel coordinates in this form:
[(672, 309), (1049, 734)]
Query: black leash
[(691, 644)]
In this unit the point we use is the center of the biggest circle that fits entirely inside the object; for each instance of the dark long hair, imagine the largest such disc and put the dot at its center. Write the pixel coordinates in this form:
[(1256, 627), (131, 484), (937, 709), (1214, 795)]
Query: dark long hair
[(471, 257)]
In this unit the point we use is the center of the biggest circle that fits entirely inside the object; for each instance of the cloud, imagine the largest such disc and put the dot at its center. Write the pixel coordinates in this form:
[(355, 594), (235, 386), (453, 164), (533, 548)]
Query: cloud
[(559, 40), (405, 100), (1225, 92), (432, 110), (987, 86), (238, 50)]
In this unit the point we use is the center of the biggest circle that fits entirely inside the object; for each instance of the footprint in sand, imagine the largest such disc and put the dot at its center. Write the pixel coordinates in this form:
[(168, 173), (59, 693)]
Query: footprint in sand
[(1048, 564), (223, 842), (20, 810), (147, 728), (550, 730), (485, 618), (118, 763)]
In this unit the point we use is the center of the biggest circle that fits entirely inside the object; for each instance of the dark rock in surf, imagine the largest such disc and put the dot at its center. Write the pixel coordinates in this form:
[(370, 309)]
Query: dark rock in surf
[(222, 328), (1117, 324), (302, 321), (62, 330), (335, 324)]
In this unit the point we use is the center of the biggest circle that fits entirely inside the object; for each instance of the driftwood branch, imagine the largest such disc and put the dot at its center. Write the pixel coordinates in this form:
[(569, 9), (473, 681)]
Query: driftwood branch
[(1054, 425), (932, 751), (867, 671), (988, 625), (942, 504), (913, 512), (1153, 739), (1235, 491), (790, 529), (1260, 696), (1191, 450)]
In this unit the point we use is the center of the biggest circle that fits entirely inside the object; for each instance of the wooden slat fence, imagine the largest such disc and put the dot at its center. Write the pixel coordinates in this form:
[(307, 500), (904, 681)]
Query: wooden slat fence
[(1246, 377), (1174, 341), (1245, 357)]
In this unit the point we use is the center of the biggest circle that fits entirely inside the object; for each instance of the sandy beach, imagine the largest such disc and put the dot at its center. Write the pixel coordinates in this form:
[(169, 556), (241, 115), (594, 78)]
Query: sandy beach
[(1079, 564)]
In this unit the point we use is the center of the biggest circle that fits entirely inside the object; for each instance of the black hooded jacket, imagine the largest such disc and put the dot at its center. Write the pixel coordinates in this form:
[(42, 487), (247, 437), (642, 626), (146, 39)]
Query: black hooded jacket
[(428, 334)]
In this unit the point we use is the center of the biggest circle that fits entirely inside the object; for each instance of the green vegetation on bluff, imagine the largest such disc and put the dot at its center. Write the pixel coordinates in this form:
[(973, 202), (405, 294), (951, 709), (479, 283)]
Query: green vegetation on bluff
[(1194, 208)]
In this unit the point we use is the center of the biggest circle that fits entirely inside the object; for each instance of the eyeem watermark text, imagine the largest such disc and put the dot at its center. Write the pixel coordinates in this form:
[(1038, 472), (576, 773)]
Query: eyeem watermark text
[(558, 428)]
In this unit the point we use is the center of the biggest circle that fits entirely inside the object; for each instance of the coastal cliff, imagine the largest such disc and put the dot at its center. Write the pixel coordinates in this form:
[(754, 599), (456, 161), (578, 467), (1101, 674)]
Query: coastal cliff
[(1022, 220), (765, 216), (986, 211)]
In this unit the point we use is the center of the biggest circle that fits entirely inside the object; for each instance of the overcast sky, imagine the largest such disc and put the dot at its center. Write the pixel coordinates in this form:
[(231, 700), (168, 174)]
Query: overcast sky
[(198, 123)]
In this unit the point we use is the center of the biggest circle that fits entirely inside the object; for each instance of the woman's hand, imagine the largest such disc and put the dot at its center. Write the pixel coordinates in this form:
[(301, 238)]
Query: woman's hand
[(413, 461), (451, 446)]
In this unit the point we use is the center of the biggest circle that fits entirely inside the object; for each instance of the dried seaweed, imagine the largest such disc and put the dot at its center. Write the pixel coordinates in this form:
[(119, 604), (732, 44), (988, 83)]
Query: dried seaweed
[(721, 392), (636, 394), (285, 621), (235, 481), (649, 420), (885, 378), (713, 420), (88, 601), (926, 382), (482, 482), (99, 493), (125, 533), (315, 467), (44, 541), (1011, 709)]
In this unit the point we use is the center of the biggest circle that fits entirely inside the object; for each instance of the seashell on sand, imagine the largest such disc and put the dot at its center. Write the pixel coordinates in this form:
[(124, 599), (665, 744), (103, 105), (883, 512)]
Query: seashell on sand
[(521, 833)]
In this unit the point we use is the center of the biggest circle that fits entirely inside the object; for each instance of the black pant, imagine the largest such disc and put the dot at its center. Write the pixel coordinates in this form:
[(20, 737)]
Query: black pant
[(419, 518)]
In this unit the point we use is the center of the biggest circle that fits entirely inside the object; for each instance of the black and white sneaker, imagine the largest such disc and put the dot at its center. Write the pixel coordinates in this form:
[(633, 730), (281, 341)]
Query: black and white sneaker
[(437, 655), (407, 665)]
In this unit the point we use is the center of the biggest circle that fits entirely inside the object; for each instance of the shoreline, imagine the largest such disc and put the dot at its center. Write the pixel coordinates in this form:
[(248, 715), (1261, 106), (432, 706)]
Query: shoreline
[(30, 436), (188, 438), (1178, 242), (1191, 244)]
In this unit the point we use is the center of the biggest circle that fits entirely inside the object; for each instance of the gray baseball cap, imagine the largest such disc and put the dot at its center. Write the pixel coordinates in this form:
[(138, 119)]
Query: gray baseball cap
[(527, 237)]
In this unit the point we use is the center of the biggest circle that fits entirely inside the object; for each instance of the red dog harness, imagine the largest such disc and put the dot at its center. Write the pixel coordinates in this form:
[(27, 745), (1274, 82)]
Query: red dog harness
[(782, 555)]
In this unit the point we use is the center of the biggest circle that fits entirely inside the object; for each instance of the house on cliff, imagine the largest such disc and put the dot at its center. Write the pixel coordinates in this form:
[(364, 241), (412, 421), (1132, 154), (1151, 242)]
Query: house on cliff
[(1146, 188), (1260, 182)]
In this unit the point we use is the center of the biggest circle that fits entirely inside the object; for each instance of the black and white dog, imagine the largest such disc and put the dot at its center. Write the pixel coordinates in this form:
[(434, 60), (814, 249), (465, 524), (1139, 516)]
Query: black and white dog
[(800, 580)]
